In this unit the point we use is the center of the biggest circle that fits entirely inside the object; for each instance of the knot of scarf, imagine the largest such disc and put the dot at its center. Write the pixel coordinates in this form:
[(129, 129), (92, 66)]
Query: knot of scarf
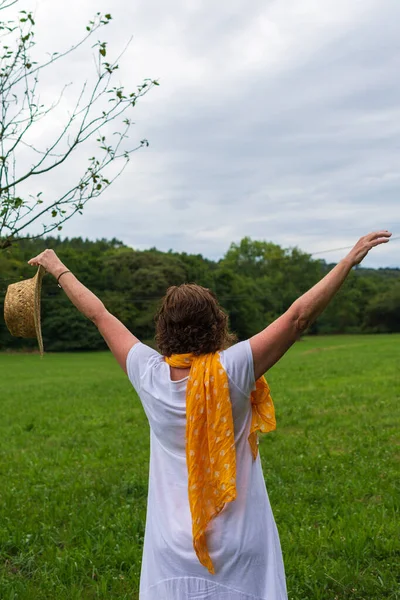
[(210, 441)]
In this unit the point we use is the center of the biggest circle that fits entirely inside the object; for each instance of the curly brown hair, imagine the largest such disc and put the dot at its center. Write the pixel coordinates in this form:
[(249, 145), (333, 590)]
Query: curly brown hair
[(190, 319)]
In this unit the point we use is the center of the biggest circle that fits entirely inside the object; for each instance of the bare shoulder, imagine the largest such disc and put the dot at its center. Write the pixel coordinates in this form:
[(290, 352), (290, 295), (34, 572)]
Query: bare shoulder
[(117, 337), (271, 343)]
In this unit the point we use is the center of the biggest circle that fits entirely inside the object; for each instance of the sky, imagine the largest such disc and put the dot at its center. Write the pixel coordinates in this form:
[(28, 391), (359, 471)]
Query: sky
[(278, 120)]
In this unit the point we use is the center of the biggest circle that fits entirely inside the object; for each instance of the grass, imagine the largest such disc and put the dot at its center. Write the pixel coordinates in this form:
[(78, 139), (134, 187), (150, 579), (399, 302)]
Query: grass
[(74, 460)]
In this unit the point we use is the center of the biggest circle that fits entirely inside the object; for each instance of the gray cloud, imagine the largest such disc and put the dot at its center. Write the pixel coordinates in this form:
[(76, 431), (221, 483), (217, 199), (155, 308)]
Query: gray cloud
[(281, 123)]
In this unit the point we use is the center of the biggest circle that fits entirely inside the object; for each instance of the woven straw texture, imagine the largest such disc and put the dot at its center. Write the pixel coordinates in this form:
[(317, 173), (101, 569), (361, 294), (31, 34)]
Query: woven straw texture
[(22, 308)]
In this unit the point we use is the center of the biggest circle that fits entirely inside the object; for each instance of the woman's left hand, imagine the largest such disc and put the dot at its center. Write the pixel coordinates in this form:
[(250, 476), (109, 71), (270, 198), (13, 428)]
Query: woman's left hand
[(50, 261)]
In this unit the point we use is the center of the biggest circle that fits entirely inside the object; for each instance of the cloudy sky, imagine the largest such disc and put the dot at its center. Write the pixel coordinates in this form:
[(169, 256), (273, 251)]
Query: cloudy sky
[(275, 119)]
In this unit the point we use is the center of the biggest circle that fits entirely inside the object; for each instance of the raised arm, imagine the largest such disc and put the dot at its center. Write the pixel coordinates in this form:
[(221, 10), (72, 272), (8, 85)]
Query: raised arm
[(270, 345), (118, 338)]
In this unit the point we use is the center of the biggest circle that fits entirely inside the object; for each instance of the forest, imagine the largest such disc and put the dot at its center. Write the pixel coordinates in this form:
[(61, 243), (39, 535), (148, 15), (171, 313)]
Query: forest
[(255, 282)]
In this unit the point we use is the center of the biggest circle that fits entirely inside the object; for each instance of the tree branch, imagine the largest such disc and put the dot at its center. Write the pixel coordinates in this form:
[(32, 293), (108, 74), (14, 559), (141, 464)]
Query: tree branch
[(21, 110)]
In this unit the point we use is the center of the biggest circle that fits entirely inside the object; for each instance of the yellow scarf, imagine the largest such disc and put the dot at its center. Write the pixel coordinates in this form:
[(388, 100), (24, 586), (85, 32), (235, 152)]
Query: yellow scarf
[(210, 442)]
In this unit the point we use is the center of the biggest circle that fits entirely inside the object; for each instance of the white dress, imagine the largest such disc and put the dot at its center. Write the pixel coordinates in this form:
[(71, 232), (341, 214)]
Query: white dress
[(243, 540)]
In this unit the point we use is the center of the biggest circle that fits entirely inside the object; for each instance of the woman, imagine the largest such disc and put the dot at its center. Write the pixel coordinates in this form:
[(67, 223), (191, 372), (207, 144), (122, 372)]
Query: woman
[(210, 532)]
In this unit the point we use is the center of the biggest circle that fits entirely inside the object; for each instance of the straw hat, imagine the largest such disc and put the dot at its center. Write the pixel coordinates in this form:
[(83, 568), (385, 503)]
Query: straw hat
[(22, 308)]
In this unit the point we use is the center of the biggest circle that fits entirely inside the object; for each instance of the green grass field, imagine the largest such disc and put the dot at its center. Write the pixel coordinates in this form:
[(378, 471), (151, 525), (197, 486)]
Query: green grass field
[(74, 457)]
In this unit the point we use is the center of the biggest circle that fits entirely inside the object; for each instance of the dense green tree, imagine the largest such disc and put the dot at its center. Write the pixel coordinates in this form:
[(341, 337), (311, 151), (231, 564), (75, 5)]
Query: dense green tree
[(255, 282), (383, 311), (240, 296)]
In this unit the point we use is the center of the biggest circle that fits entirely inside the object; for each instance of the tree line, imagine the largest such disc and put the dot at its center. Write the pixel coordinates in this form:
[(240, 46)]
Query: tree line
[(256, 281)]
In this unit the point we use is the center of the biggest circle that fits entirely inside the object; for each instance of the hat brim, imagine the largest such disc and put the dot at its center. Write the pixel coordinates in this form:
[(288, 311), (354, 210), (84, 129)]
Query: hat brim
[(22, 308), (38, 290)]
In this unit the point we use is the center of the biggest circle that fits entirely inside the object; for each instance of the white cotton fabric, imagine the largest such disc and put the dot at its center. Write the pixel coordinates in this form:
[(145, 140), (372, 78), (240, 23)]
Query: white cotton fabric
[(243, 540)]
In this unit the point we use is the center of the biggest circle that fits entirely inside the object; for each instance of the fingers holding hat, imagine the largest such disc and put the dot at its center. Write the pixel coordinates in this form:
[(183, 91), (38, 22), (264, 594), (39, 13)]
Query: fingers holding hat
[(48, 260)]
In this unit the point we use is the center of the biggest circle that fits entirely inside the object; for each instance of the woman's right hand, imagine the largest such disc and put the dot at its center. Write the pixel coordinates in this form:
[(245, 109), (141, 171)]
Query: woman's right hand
[(364, 245), (49, 261)]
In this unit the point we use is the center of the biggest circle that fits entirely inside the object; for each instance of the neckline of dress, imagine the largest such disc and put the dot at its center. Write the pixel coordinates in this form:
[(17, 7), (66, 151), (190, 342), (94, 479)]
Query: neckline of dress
[(176, 380)]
